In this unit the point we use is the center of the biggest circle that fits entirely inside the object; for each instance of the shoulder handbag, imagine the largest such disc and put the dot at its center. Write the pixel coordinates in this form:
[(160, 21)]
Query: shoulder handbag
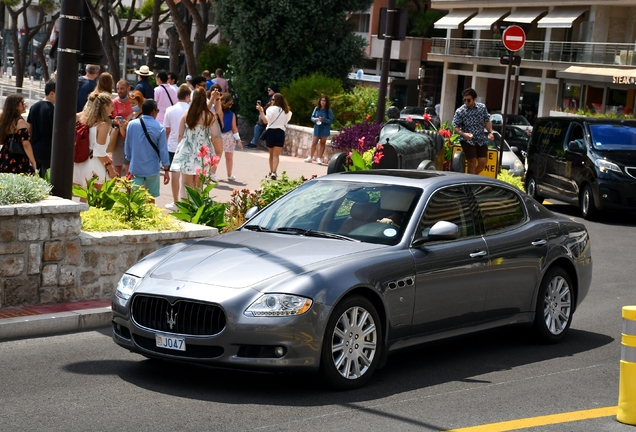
[(264, 134), (152, 143), (15, 143)]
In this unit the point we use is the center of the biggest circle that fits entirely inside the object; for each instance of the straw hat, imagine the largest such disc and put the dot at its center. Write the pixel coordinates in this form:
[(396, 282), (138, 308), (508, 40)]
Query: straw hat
[(144, 70)]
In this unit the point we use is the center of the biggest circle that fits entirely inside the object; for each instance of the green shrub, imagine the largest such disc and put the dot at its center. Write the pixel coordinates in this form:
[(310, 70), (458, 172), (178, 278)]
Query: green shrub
[(102, 220), (513, 180), (303, 94), (355, 107), (20, 188), (273, 189)]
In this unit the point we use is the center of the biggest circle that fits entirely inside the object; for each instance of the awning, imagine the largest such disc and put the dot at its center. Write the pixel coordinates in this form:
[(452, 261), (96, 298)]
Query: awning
[(560, 18), (454, 19), (484, 19), (525, 16), (599, 75)]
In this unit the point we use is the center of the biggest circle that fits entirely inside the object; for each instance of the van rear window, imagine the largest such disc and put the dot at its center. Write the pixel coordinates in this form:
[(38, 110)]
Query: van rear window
[(613, 136)]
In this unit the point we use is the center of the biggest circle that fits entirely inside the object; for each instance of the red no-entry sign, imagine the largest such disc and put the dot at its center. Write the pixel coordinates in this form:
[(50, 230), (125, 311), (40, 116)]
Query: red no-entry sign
[(513, 38)]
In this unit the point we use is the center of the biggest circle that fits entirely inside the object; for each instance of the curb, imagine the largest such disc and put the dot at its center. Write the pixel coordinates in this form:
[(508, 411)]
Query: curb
[(54, 323)]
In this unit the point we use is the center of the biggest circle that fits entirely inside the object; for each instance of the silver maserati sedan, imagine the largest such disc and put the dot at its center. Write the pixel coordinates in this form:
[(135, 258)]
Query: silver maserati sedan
[(350, 267)]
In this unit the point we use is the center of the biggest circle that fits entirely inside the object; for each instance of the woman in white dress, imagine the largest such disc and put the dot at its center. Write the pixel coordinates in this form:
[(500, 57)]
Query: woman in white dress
[(96, 115), (198, 124)]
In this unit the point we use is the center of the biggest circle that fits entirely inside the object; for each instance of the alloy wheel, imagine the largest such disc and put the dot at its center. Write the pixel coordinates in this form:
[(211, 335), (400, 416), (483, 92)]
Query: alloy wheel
[(354, 343)]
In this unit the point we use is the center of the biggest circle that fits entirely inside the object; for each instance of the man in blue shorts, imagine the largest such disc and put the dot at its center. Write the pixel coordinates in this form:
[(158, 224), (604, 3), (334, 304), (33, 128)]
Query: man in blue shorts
[(147, 150), (469, 122)]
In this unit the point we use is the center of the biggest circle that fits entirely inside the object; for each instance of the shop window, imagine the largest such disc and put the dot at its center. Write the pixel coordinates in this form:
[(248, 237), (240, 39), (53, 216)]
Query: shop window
[(571, 94)]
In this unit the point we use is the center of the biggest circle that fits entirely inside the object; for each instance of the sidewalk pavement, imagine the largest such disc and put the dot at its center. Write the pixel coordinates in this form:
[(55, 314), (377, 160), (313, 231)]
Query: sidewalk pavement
[(250, 168)]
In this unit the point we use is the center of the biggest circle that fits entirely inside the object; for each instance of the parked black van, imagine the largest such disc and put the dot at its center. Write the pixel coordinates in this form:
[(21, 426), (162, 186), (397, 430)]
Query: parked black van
[(589, 162)]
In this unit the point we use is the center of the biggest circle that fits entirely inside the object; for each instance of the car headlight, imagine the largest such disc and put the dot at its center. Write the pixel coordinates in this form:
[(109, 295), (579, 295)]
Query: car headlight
[(605, 166), (517, 166), (279, 305), (126, 286)]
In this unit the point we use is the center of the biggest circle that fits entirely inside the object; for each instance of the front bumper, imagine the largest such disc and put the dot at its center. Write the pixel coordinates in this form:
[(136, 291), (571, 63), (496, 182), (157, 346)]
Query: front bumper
[(616, 194), (246, 343)]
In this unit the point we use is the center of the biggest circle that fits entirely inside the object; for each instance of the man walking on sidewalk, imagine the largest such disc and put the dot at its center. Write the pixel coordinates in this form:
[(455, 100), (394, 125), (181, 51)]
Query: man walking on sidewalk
[(147, 150), (171, 123)]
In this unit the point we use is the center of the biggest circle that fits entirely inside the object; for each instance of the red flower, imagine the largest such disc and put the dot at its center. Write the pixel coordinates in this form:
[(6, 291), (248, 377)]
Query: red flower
[(379, 147), (445, 133), (203, 151), (409, 118), (377, 156), (368, 116), (427, 117), (361, 143)]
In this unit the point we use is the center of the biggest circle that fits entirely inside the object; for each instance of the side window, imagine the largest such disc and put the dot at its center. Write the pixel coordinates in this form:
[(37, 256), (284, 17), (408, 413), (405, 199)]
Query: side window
[(451, 205), (549, 137), (576, 135), (500, 209)]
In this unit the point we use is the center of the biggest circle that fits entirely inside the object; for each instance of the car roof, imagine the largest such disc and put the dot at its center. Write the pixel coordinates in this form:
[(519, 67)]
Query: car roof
[(413, 178)]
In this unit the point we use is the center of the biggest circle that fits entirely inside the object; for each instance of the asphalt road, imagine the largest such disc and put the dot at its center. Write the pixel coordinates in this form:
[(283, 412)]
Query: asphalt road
[(83, 381)]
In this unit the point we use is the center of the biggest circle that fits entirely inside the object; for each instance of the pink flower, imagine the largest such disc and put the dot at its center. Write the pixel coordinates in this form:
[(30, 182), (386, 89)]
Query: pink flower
[(349, 154), (379, 147), (361, 143), (203, 151), (207, 161), (198, 171), (409, 118), (215, 160), (368, 116), (427, 117), (377, 156), (445, 133)]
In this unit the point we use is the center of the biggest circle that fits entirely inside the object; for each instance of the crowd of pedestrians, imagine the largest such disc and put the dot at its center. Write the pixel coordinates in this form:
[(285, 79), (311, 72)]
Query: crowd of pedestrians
[(142, 131)]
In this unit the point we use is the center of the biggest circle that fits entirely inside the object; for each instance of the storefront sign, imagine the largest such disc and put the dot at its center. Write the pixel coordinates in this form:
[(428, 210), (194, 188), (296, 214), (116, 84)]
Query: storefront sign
[(621, 79)]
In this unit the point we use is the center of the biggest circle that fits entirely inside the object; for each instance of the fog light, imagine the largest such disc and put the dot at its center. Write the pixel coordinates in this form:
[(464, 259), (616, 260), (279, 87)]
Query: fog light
[(279, 351)]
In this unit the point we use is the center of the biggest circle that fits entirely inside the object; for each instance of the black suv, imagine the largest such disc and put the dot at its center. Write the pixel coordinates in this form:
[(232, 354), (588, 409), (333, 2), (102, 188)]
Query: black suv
[(590, 162)]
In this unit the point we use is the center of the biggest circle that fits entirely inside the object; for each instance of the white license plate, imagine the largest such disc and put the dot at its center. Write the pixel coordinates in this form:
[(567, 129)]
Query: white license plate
[(170, 342)]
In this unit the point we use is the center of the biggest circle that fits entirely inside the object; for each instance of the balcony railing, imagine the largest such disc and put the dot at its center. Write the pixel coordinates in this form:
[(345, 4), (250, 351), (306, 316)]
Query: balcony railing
[(567, 52)]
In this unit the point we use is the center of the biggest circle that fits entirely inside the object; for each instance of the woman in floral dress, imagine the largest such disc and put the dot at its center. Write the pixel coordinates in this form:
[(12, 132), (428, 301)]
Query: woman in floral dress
[(12, 124), (197, 125)]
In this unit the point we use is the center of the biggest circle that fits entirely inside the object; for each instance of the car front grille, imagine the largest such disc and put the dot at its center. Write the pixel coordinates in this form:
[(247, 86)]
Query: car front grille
[(183, 317)]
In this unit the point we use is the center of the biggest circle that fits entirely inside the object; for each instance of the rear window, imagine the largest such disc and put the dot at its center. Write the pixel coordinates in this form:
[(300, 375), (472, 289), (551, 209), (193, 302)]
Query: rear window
[(613, 136)]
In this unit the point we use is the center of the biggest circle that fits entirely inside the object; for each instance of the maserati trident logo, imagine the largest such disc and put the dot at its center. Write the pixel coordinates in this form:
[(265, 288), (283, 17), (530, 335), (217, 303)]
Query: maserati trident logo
[(172, 318)]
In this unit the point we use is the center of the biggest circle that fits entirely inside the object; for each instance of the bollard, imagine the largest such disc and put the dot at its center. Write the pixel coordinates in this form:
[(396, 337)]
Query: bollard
[(627, 380)]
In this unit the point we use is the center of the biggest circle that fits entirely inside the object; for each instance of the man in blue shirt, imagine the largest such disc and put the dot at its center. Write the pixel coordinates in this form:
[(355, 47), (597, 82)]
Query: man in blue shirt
[(147, 153), (86, 84), (144, 73)]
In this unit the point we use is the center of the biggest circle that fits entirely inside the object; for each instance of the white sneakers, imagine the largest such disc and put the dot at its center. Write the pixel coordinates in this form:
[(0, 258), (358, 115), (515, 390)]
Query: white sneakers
[(171, 206), (231, 178), (310, 160), (213, 178)]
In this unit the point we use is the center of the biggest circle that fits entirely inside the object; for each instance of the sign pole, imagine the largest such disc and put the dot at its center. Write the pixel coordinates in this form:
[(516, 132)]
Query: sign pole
[(386, 60), (504, 113)]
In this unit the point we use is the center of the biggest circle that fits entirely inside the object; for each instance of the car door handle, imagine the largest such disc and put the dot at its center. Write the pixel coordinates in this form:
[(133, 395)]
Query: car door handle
[(478, 254), (539, 242)]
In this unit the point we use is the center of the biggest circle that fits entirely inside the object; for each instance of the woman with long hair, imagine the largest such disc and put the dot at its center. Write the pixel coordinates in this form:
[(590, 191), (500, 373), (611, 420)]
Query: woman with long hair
[(96, 115), (198, 124), (13, 126), (136, 100), (276, 117), (230, 133), (322, 117), (104, 83)]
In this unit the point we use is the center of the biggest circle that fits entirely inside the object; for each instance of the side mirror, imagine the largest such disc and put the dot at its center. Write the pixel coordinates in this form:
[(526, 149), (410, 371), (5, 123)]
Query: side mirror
[(442, 230), (576, 146), (514, 149), (250, 213)]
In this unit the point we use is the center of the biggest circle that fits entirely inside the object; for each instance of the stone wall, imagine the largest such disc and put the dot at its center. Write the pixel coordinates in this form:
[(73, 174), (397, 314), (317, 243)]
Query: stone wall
[(46, 258), (298, 141)]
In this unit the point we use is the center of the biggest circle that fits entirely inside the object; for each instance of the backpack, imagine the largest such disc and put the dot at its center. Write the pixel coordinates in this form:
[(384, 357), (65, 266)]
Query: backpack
[(82, 145)]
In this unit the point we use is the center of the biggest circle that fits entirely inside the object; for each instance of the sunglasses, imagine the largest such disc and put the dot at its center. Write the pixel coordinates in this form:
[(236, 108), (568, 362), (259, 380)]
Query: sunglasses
[(468, 100)]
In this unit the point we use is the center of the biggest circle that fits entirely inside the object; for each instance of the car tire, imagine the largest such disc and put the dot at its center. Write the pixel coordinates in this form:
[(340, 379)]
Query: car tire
[(587, 204), (458, 163), (345, 362), (426, 165), (555, 306), (531, 188)]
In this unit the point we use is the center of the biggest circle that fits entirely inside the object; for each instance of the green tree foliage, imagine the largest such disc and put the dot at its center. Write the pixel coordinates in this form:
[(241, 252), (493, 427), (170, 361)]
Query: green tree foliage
[(421, 18), (123, 11), (214, 56), (303, 94), (277, 41)]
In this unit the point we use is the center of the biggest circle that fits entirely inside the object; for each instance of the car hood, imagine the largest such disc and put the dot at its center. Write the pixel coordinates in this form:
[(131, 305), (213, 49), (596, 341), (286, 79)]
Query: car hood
[(622, 157), (242, 259)]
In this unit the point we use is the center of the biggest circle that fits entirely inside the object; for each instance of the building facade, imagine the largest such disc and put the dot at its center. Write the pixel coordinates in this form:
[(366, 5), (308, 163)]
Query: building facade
[(577, 55)]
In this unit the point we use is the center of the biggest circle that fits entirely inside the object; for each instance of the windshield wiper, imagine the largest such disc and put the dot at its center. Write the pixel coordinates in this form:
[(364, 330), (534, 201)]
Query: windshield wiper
[(313, 233)]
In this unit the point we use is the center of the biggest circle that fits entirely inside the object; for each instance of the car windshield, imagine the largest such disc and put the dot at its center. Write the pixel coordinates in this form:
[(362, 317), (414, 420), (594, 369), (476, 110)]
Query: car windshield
[(348, 210), (613, 136), (414, 110), (517, 133)]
